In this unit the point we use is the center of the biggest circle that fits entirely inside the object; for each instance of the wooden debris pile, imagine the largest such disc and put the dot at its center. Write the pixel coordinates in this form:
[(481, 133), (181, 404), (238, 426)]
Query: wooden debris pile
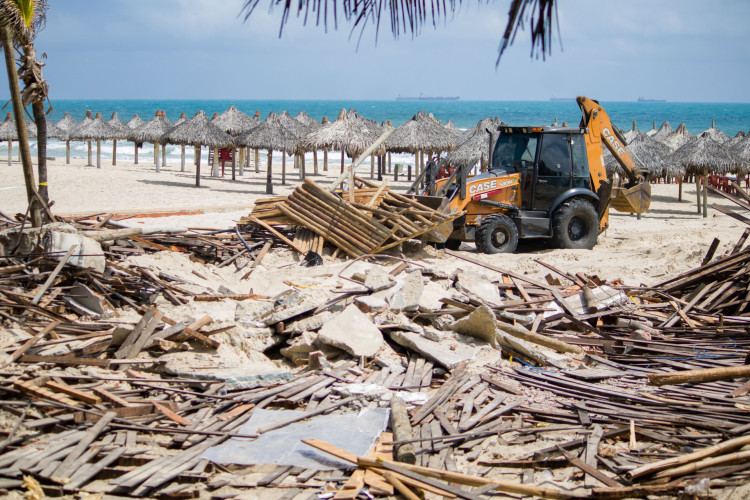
[(603, 390), (373, 219)]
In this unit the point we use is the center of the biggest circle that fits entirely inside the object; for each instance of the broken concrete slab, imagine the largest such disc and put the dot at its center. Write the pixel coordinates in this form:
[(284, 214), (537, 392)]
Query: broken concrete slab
[(370, 303), (352, 331), (300, 347), (253, 369), (479, 324), (477, 287), (377, 280), (432, 293), (406, 297), (447, 354), (310, 323)]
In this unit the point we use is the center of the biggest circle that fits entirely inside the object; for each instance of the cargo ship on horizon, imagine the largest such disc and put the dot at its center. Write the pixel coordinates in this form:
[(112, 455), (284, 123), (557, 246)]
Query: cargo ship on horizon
[(643, 99), (428, 98)]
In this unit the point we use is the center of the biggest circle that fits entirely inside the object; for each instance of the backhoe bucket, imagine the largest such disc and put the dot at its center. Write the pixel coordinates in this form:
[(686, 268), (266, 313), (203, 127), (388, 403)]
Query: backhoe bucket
[(442, 231), (634, 200)]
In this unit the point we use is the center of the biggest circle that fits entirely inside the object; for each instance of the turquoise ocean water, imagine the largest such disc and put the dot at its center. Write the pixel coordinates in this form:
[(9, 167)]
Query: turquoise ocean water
[(729, 117)]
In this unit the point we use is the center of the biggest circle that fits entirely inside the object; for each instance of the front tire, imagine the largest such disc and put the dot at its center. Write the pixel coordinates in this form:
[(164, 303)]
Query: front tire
[(575, 225), (497, 234)]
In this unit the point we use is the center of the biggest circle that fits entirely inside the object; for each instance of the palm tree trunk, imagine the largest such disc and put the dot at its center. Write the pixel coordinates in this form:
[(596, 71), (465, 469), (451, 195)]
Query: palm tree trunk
[(41, 147), (23, 139)]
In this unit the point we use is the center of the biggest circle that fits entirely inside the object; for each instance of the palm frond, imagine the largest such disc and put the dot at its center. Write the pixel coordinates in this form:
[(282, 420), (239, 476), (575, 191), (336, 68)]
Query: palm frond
[(410, 16)]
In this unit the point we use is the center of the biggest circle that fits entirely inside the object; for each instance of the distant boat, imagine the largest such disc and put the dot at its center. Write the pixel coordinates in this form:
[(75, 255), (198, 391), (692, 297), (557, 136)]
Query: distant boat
[(428, 98), (562, 99), (643, 99)]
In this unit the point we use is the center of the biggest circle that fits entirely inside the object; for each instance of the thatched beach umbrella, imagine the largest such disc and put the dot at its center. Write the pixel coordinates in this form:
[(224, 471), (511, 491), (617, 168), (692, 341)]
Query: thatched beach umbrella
[(235, 123), (308, 125), (299, 130), (182, 119), (702, 155), (419, 134), (9, 133), (457, 132), (716, 134), (197, 131), (270, 135), (95, 130), (64, 127), (122, 128), (663, 131), (735, 140), (74, 132), (678, 138), (133, 124), (350, 133), (475, 148), (741, 146), (152, 131), (653, 154)]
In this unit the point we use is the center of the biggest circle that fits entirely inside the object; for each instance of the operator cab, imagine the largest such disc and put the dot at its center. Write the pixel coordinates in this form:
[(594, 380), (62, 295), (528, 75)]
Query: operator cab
[(551, 161)]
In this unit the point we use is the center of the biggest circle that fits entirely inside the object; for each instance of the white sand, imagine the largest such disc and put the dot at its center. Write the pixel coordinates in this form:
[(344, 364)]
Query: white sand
[(670, 238)]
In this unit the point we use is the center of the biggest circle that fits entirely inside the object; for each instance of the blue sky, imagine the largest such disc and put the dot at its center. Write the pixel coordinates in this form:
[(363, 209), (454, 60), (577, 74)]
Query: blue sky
[(680, 50)]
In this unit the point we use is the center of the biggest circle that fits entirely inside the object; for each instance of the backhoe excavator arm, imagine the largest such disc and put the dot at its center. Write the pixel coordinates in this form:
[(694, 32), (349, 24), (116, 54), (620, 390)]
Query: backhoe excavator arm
[(635, 195)]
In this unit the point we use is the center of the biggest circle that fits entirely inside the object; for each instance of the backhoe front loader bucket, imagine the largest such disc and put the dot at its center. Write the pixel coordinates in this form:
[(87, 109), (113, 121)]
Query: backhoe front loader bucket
[(634, 200)]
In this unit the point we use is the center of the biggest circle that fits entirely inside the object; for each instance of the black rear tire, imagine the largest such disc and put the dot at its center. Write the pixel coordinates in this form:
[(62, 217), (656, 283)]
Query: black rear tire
[(497, 234), (575, 224)]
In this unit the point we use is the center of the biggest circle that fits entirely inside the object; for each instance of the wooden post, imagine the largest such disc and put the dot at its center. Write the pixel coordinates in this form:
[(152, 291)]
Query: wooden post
[(325, 160), (713, 124), (164, 155), (234, 163), (416, 165), (215, 170), (67, 152), (302, 166), (389, 162), (197, 156), (315, 162), (257, 161), (342, 161), (242, 161), (269, 183), (633, 125), (381, 161), (10, 152), (283, 168), (156, 155), (408, 176), (114, 152), (680, 180), (395, 172), (90, 164), (705, 197), (402, 431), (372, 166), (98, 154), (182, 157), (698, 191), (135, 152)]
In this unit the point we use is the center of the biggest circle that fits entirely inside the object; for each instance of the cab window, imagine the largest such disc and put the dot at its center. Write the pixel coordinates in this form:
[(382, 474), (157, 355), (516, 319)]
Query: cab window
[(554, 159), (514, 151)]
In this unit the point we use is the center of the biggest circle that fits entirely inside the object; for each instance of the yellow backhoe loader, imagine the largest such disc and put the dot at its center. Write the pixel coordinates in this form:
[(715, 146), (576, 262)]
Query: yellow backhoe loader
[(544, 182)]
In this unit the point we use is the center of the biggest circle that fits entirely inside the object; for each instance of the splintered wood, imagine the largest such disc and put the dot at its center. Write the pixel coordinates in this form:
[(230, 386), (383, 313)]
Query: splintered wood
[(377, 218)]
